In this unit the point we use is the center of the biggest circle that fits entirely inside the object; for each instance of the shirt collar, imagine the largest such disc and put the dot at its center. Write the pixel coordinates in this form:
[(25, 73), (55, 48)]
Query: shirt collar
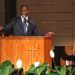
[(22, 18)]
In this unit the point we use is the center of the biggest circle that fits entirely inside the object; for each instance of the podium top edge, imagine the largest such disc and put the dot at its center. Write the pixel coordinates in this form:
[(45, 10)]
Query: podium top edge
[(16, 37)]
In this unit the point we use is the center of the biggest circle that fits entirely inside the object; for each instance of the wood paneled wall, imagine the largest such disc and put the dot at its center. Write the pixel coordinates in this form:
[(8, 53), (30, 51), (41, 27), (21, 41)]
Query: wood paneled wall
[(57, 16)]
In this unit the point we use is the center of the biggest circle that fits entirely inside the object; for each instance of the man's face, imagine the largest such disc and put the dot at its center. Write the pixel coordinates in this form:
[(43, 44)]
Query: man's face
[(24, 11)]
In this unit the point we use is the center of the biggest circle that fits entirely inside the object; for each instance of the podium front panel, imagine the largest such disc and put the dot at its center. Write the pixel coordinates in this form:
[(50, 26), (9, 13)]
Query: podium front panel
[(28, 49)]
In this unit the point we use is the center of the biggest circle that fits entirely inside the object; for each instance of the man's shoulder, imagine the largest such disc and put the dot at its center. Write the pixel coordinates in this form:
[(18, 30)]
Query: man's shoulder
[(17, 18), (32, 21)]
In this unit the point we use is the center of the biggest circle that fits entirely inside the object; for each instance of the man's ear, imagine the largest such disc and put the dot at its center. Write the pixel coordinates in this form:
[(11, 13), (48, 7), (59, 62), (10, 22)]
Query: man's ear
[(28, 11)]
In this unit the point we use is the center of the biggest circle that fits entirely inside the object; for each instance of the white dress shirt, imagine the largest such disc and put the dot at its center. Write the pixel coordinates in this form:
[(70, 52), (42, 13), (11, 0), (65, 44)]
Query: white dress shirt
[(25, 17)]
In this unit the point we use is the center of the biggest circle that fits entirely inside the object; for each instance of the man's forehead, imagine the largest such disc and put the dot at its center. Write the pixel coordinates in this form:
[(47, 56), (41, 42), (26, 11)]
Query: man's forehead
[(24, 6)]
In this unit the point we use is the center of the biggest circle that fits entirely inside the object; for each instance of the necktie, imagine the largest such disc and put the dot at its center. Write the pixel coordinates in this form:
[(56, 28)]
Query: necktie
[(25, 26)]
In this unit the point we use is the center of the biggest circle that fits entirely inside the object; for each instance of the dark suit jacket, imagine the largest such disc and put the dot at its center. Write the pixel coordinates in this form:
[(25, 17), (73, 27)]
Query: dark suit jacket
[(16, 28)]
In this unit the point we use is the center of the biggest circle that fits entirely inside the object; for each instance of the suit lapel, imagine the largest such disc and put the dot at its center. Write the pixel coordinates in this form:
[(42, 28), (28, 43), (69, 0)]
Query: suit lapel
[(30, 25), (21, 24)]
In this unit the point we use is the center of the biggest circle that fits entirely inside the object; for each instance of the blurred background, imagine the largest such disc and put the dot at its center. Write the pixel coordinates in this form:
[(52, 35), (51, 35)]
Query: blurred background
[(56, 16)]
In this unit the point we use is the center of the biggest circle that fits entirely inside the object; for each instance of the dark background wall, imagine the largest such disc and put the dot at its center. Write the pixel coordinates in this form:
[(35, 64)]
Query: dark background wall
[(10, 10), (57, 16), (2, 12)]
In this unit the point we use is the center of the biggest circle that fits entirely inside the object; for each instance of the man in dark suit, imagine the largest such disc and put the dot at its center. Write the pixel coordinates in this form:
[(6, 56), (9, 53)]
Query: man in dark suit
[(22, 25)]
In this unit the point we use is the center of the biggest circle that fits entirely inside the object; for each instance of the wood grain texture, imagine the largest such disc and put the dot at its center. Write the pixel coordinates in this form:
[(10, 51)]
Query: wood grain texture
[(28, 49)]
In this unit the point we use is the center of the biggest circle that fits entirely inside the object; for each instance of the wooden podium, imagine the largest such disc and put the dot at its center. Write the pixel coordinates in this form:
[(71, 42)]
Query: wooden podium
[(29, 49)]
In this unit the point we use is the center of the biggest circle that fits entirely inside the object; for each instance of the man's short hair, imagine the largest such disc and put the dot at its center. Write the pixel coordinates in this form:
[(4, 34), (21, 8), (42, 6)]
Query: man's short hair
[(24, 6)]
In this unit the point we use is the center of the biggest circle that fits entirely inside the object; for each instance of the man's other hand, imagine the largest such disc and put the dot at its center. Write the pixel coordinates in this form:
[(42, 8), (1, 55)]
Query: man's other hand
[(1, 28), (49, 34)]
